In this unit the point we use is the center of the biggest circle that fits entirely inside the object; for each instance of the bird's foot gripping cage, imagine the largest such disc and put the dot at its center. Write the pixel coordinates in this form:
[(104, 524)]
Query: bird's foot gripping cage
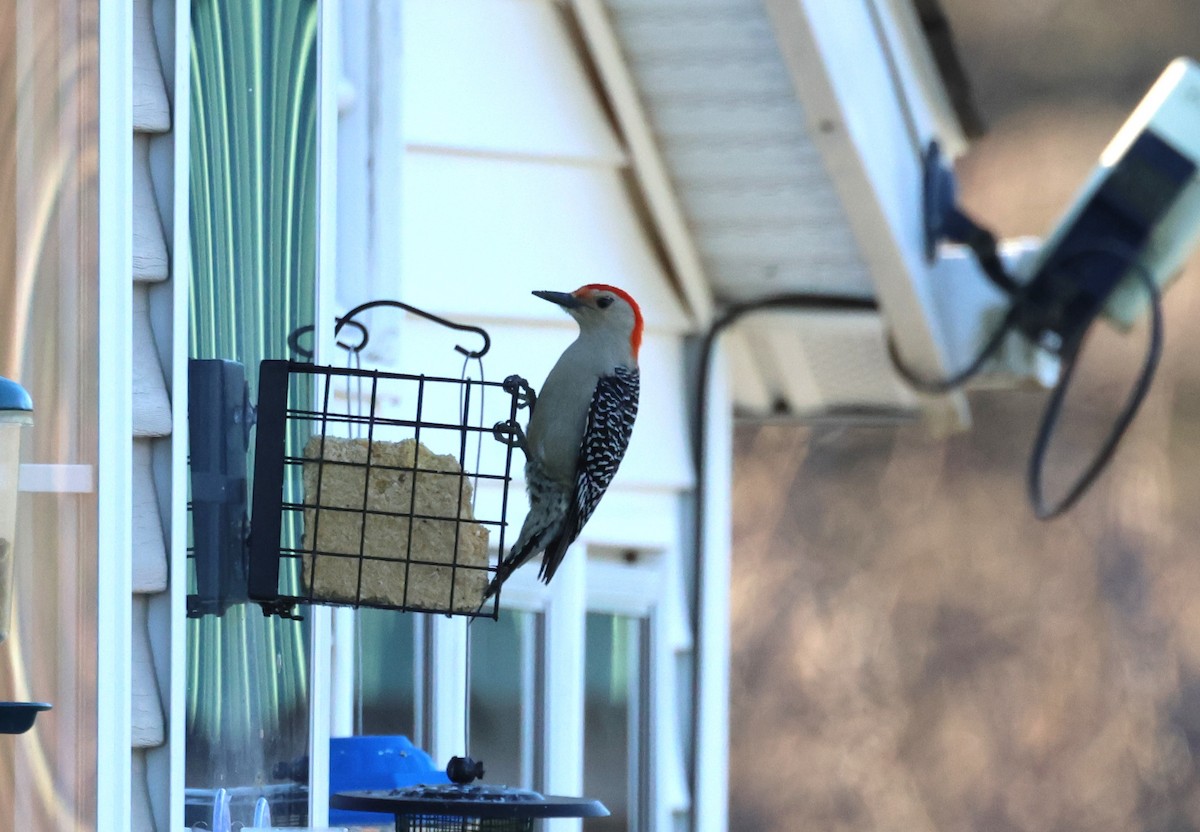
[(375, 489)]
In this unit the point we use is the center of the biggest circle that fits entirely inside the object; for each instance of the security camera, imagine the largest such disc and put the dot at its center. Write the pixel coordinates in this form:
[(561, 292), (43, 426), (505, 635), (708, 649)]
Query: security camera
[(1139, 210), (1120, 243)]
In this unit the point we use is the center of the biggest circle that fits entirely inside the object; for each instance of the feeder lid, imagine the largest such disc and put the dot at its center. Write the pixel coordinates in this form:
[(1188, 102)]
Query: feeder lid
[(474, 801), (18, 717), (14, 400)]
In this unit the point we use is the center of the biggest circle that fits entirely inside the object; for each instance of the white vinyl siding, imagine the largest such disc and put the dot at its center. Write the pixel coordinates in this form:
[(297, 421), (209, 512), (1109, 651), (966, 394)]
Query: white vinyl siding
[(500, 77), (540, 201), (498, 228), (155, 316)]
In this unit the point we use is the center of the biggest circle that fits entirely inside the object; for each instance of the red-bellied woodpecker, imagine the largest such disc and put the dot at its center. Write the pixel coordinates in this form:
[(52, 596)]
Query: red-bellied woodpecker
[(579, 426)]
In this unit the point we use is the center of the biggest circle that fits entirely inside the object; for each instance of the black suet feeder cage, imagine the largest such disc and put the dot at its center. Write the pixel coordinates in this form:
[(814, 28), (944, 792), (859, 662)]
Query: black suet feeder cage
[(363, 482), (370, 521)]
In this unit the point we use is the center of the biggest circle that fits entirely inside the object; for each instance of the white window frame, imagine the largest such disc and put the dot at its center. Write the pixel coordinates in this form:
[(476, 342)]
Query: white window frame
[(115, 416), (181, 278), (529, 597), (636, 592), (589, 582), (561, 604), (329, 75)]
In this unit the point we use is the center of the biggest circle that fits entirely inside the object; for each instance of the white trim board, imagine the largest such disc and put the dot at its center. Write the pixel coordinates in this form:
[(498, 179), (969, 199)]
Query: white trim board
[(565, 644), (57, 479), (329, 74), (181, 260), (710, 798), (114, 581)]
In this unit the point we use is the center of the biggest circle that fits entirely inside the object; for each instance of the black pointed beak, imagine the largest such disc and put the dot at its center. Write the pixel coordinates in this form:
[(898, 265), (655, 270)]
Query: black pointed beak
[(564, 299)]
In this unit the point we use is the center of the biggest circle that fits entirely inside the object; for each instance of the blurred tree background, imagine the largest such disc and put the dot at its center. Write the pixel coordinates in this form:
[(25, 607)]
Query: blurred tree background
[(912, 649)]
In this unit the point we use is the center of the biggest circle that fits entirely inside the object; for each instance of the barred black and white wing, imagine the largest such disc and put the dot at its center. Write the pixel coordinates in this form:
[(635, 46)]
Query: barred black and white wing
[(610, 424)]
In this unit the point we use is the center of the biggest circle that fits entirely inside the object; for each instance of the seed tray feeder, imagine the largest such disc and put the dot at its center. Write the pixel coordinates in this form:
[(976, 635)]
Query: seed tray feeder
[(466, 808)]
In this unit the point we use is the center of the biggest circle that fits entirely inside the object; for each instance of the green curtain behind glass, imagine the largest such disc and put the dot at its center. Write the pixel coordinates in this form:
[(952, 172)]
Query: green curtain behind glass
[(253, 238)]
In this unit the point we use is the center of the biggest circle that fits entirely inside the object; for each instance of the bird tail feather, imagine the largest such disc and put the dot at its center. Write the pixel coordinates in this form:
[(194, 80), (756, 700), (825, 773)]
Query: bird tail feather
[(527, 545)]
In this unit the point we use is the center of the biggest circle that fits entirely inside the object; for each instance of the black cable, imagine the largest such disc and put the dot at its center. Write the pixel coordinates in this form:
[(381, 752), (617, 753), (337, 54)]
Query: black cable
[(987, 250), (808, 302), (982, 244), (1069, 356), (946, 384), (799, 301), (1137, 395)]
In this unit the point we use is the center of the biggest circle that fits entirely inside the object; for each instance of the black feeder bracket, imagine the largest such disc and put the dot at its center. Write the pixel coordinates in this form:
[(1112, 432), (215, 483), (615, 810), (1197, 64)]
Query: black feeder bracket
[(363, 483), (220, 417)]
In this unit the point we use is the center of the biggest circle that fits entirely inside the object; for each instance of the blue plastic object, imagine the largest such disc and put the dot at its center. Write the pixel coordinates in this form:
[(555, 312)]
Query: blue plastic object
[(14, 397), (376, 762)]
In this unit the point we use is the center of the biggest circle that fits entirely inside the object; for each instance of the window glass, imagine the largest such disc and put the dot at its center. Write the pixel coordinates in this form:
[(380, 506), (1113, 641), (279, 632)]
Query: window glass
[(506, 703), (384, 699), (49, 204), (253, 281), (614, 739)]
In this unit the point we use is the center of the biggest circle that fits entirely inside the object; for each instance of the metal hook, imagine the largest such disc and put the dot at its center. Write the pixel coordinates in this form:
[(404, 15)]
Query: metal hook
[(307, 354), (487, 341), (366, 336)]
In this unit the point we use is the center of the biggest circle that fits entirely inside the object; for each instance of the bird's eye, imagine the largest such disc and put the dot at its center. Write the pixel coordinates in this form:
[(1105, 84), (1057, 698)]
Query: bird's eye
[(604, 302)]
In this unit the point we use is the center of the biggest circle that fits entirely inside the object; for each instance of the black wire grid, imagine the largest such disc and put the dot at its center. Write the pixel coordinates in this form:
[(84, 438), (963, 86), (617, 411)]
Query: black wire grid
[(392, 546), (450, 823)]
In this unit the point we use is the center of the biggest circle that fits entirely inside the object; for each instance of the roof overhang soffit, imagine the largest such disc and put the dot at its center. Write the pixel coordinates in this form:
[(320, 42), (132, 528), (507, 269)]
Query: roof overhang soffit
[(873, 97)]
